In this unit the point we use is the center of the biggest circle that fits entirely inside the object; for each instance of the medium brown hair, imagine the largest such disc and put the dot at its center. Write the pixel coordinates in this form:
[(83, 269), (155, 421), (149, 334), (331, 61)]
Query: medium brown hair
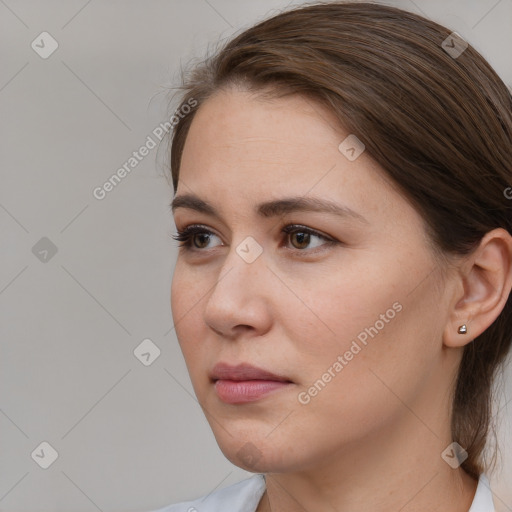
[(440, 126)]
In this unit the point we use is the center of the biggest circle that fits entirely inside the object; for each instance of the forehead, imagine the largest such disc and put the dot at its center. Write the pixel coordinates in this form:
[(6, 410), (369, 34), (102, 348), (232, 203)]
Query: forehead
[(237, 130), (242, 150)]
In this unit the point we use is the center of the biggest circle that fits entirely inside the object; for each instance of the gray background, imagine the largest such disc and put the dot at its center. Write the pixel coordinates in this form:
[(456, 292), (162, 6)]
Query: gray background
[(129, 437)]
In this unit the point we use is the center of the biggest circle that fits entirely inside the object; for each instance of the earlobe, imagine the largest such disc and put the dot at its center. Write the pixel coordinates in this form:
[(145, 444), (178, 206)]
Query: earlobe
[(486, 279), (458, 336)]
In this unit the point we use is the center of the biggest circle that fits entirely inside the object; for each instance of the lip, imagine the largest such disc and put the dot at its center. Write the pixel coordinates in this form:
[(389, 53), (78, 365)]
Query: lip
[(244, 371), (245, 383)]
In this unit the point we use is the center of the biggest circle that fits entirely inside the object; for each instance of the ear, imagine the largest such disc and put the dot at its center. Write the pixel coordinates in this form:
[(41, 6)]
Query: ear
[(486, 280)]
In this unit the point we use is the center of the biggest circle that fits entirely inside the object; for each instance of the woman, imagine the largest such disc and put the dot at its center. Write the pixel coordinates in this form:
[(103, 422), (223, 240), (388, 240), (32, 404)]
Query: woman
[(342, 290)]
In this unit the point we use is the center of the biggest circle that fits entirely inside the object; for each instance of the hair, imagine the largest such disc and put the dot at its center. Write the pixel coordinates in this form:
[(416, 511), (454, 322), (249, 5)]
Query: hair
[(440, 126)]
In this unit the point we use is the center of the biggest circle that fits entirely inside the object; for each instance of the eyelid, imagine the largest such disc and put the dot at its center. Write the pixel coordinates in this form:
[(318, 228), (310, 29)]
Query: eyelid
[(290, 228)]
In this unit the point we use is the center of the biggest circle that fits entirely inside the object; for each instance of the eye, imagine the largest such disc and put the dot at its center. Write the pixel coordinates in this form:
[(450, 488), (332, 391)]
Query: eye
[(196, 237), (187, 236), (303, 236)]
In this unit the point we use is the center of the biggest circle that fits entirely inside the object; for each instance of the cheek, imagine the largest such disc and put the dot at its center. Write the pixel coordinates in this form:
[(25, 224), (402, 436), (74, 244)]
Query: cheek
[(356, 322), (188, 289), (340, 308), (371, 297), (379, 342), (181, 287), (186, 307)]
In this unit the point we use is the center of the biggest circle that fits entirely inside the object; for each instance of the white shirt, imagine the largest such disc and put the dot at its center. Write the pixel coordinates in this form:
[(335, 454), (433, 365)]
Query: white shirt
[(244, 496)]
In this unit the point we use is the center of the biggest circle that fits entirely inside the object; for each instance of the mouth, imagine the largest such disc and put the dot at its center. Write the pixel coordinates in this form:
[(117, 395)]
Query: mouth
[(245, 383)]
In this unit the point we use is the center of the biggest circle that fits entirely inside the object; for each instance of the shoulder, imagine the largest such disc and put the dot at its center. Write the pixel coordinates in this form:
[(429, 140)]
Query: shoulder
[(243, 496), (483, 501)]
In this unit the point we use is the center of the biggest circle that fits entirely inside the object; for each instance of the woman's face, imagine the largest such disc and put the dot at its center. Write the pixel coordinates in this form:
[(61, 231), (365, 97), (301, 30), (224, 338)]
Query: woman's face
[(354, 325)]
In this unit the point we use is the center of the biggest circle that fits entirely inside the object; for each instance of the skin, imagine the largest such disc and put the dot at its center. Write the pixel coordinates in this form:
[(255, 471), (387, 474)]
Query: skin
[(372, 438)]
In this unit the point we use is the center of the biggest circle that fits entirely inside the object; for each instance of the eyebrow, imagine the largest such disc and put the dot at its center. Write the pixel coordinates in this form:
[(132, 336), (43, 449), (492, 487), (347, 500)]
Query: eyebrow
[(271, 208)]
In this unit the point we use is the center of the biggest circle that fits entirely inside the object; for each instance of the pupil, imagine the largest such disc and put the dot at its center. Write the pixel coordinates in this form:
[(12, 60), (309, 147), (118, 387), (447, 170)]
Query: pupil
[(203, 236), (302, 238)]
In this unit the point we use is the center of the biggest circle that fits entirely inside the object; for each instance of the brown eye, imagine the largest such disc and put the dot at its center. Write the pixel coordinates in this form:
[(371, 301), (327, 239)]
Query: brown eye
[(190, 234), (203, 239), (197, 238), (302, 238)]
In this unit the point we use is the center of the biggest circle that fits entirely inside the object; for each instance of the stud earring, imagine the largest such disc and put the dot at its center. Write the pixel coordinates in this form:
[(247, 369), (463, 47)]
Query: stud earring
[(462, 329)]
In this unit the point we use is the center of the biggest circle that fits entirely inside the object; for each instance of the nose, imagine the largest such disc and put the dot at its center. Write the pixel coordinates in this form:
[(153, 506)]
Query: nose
[(240, 298)]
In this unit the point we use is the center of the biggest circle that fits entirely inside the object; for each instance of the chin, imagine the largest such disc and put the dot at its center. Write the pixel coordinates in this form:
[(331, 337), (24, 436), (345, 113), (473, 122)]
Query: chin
[(257, 453)]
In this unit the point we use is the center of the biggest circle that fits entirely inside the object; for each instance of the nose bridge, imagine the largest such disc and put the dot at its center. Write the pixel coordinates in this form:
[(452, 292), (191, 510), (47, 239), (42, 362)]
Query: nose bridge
[(244, 264), (240, 294)]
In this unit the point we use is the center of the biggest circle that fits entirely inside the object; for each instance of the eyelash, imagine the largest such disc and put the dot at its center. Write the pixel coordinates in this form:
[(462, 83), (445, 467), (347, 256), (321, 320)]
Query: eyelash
[(185, 236)]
